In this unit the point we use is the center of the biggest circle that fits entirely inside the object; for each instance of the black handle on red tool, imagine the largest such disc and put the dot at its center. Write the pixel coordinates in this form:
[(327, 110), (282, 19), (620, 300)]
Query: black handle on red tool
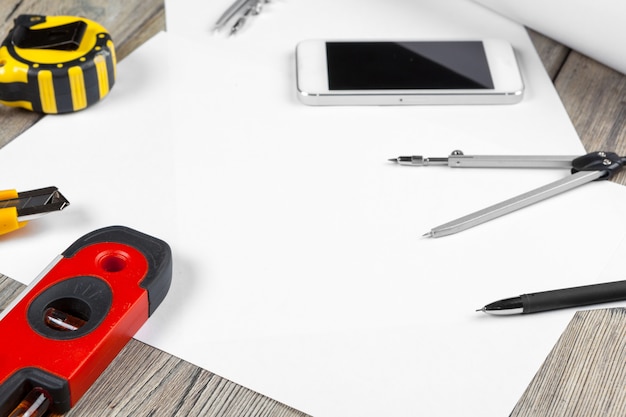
[(61, 335)]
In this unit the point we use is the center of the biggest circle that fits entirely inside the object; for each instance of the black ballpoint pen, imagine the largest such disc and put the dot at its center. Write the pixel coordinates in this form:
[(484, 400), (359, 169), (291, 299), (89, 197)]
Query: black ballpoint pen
[(557, 299)]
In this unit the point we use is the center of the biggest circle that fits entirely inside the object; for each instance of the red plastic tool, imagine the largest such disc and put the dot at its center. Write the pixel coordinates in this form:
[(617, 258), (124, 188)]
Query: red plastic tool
[(77, 316)]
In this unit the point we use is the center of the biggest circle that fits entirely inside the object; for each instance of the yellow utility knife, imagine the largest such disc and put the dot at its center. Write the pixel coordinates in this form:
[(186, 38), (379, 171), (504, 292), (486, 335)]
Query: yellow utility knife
[(17, 208)]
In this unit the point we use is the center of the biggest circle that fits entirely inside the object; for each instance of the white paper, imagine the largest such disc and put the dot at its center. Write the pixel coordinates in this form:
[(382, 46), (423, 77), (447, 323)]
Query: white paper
[(299, 267)]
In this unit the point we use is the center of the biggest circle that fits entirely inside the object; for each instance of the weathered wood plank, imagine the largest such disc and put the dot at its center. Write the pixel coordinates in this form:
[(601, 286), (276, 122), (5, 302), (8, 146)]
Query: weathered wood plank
[(145, 381), (552, 53), (595, 99), (593, 95), (585, 373), (9, 290)]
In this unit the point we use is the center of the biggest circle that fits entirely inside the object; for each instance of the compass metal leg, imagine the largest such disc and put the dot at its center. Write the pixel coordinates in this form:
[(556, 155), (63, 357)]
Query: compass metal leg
[(516, 203)]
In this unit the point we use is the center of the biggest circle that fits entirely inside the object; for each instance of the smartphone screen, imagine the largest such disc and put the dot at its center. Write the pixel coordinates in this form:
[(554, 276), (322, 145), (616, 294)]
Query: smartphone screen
[(407, 65)]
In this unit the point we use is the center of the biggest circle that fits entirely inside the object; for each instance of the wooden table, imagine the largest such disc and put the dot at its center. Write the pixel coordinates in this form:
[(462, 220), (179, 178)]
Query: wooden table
[(144, 381)]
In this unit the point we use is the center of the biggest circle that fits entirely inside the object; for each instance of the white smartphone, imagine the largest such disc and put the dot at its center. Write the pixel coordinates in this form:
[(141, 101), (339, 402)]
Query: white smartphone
[(407, 72)]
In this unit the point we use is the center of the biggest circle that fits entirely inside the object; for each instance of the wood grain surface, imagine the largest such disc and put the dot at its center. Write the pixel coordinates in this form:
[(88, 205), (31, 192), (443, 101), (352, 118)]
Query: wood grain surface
[(144, 381), (593, 95), (585, 373)]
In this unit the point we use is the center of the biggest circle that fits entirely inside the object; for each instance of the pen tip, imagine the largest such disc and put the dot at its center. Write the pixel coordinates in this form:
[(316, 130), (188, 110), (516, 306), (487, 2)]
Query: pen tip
[(428, 234), (481, 310), (393, 160)]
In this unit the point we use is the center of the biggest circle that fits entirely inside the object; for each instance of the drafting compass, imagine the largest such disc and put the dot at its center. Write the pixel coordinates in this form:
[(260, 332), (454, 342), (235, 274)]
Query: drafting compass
[(594, 166)]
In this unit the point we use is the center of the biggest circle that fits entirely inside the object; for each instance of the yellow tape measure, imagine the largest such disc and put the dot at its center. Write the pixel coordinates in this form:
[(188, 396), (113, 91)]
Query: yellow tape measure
[(56, 64)]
